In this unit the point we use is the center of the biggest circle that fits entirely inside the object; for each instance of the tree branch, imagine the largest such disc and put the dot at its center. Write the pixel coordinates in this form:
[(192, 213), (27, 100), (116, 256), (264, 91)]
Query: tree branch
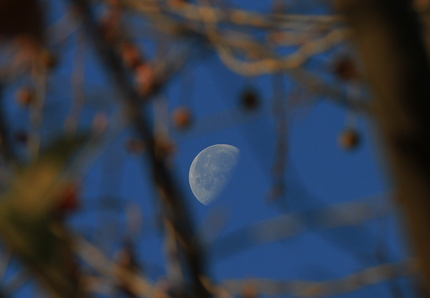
[(394, 56), (173, 206)]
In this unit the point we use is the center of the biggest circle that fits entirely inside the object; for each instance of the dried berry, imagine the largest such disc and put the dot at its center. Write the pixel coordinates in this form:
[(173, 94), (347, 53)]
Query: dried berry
[(349, 139), (182, 118), (249, 99)]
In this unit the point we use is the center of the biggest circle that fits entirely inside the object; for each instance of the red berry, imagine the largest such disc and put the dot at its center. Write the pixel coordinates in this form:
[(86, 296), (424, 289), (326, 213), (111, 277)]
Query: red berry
[(182, 118)]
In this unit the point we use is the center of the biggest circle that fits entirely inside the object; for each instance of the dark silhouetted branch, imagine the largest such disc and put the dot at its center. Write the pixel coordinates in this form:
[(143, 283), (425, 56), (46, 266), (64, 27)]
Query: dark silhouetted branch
[(389, 41)]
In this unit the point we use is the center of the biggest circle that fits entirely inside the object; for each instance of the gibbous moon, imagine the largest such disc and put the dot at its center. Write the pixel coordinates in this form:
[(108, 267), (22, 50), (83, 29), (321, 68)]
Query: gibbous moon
[(211, 170)]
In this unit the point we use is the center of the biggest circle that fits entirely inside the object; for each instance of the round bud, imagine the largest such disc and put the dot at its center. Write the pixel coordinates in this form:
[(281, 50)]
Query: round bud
[(182, 118), (349, 139), (249, 99)]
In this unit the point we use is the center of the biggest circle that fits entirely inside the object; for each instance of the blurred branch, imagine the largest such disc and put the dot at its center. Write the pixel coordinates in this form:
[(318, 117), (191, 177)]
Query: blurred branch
[(225, 40), (28, 225), (351, 283), (290, 225), (272, 65), (53, 276), (116, 274), (313, 34), (232, 16), (390, 43), (173, 206)]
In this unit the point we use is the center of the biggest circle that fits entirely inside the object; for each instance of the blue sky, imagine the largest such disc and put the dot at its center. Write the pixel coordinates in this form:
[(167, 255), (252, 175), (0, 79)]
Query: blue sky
[(319, 174)]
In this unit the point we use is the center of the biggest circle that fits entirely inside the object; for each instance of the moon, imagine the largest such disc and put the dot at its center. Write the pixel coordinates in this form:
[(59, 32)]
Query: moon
[(211, 170)]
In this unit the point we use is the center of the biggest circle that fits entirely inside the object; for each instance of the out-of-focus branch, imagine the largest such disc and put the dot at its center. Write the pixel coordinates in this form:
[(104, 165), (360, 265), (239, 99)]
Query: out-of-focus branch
[(112, 271), (232, 16), (290, 225), (28, 225), (54, 278), (271, 65), (394, 56), (353, 282), (233, 46), (307, 36), (173, 206)]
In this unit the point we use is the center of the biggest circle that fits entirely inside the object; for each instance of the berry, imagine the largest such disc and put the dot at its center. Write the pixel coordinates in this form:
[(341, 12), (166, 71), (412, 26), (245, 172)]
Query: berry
[(182, 118), (349, 139), (249, 99)]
